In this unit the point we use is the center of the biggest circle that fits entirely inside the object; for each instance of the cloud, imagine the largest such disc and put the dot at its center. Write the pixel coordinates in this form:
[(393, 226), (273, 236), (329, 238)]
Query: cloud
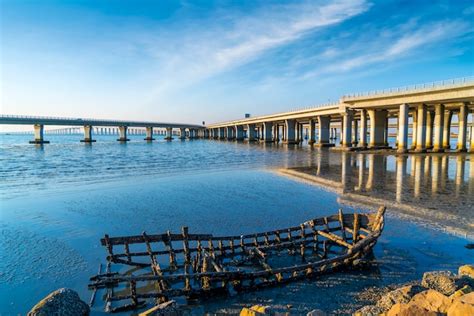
[(235, 39)]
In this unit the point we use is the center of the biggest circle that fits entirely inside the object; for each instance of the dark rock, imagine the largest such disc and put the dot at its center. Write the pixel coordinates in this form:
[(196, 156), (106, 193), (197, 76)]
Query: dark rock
[(441, 281), (64, 302), (402, 295), (369, 310)]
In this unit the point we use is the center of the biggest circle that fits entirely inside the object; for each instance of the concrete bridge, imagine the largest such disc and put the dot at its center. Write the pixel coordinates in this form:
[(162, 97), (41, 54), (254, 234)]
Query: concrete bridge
[(114, 126), (424, 113)]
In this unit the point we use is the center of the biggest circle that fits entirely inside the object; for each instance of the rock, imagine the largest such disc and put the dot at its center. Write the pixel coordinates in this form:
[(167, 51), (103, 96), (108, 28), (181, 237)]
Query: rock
[(467, 298), (431, 300), (441, 281), (409, 310), (466, 289), (64, 302), (466, 270), (459, 308), (316, 312), (369, 310), (401, 295), (254, 310)]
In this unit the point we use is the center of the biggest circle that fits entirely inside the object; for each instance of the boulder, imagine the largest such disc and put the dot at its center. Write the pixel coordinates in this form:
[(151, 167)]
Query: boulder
[(466, 289), (431, 300), (466, 270), (441, 281), (409, 310), (459, 308), (369, 310), (467, 298), (254, 310), (401, 295), (64, 302)]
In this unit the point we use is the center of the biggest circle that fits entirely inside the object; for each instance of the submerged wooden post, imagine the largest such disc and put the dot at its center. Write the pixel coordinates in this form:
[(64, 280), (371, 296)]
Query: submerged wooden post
[(187, 256), (355, 229)]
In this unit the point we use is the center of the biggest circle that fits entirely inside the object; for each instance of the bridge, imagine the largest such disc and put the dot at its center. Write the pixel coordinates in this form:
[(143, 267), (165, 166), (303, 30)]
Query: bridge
[(119, 126), (422, 114)]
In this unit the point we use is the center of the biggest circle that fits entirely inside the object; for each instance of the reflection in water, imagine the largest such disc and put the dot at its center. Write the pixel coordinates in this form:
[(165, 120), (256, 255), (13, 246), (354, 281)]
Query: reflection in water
[(437, 187)]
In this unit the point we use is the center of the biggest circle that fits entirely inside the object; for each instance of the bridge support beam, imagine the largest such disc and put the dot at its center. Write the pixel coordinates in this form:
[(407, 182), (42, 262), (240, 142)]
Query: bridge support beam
[(347, 130), (149, 134), (421, 129), (447, 129), (355, 127), (403, 128), (230, 133), (471, 149), (267, 132), (462, 128), (39, 132), (169, 134), (438, 128), (363, 129), (290, 137), (311, 132), (123, 134), (182, 133), (87, 135), (429, 129), (324, 123), (377, 128), (239, 132), (251, 132), (276, 137)]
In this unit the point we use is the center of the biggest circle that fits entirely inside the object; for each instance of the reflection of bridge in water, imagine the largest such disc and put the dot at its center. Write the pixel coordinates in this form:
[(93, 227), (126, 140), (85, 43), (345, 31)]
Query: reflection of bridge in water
[(436, 187)]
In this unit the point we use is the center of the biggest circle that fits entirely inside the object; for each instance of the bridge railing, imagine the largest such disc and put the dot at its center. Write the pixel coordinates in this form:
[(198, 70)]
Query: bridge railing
[(457, 82)]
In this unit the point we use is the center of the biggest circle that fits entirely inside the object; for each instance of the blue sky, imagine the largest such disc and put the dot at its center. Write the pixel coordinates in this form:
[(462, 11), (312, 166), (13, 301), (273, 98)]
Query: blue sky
[(190, 61)]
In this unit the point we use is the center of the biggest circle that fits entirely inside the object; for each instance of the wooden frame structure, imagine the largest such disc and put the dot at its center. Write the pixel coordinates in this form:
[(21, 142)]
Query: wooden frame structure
[(168, 266)]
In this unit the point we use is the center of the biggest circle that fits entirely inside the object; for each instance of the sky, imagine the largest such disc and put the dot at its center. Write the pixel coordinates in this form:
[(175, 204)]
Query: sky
[(194, 61)]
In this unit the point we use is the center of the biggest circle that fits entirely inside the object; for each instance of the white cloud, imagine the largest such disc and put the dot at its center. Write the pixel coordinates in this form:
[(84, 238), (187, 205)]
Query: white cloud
[(215, 48)]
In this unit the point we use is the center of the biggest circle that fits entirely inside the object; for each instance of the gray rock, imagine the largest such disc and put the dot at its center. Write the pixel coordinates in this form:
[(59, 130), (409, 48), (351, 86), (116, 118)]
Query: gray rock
[(441, 281), (62, 302), (401, 295), (369, 310)]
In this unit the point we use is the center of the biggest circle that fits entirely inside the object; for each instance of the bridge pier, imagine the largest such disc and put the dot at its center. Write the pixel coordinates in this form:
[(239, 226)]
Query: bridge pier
[(290, 137), (347, 130), (230, 133), (311, 132), (429, 129), (239, 129), (182, 133), (438, 128), (87, 134), (462, 128), (421, 129), (39, 132), (251, 132), (447, 129), (403, 128), (149, 134), (363, 129), (267, 132), (324, 123), (169, 134), (377, 128), (123, 134)]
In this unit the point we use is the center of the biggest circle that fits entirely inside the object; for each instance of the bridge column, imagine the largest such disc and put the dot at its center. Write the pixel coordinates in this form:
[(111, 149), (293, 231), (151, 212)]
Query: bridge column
[(403, 128), (149, 134), (414, 129), (355, 128), (324, 130), (347, 130), (251, 132), (275, 131), (471, 149), (363, 129), (421, 129), (462, 128), (447, 129), (290, 137), (377, 127), (239, 132), (429, 129), (39, 131), (267, 132), (182, 133), (311, 131), (221, 133), (300, 136), (230, 132), (385, 129), (438, 128), (123, 134), (169, 133), (87, 135)]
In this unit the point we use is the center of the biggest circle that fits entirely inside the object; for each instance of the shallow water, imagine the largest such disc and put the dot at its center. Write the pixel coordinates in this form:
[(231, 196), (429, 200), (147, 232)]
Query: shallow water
[(58, 200)]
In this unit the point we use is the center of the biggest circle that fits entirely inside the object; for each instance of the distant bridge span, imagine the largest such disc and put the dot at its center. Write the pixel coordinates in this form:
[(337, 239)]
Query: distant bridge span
[(40, 121)]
